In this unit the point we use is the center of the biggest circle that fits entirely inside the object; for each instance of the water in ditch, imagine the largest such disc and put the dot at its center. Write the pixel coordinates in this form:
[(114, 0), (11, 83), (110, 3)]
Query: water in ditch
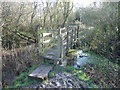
[(81, 59)]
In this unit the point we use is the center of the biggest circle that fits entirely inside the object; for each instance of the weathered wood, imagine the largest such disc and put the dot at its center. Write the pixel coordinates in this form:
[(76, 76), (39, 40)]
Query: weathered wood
[(63, 30), (72, 38), (60, 43), (74, 35), (51, 30), (51, 57), (67, 39), (47, 34), (46, 41), (39, 43), (0, 57), (41, 72), (73, 24), (78, 32), (64, 39), (64, 35)]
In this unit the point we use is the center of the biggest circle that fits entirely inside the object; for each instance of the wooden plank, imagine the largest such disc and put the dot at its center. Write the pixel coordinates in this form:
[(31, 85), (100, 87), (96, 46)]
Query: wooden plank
[(41, 72), (65, 52), (47, 34), (65, 49), (46, 41), (73, 25), (64, 36), (64, 46), (51, 53), (51, 30), (65, 39), (63, 31), (60, 45), (48, 31), (65, 43), (39, 43), (50, 57)]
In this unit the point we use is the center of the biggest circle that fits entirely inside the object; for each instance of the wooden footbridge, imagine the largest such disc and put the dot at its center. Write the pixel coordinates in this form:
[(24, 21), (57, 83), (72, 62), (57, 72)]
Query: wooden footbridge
[(54, 45)]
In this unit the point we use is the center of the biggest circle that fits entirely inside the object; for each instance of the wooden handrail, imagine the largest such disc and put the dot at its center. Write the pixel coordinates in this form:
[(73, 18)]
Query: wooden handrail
[(65, 38)]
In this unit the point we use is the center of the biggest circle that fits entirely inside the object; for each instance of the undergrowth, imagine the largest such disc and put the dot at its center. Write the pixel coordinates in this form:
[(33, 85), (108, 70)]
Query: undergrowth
[(102, 71), (98, 72), (74, 72), (23, 80)]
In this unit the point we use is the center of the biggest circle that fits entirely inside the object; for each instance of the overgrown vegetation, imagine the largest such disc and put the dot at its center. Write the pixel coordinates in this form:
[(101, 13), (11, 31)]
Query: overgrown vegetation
[(99, 33), (102, 35), (75, 73), (23, 80), (21, 22), (102, 71), (98, 72)]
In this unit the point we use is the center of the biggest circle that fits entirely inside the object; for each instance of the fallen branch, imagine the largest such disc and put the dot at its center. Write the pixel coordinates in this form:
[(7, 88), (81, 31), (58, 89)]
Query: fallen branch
[(25, 37)]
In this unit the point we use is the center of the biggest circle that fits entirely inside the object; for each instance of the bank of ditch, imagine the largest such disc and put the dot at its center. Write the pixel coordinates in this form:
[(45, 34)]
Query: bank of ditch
[(99, 69), (94, 73)]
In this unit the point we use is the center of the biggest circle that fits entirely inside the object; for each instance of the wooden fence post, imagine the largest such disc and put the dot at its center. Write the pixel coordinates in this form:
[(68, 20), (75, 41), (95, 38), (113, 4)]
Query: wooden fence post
[(72, 37), (75, 38), (67, 39), (60, 45), (39, 42), (0, 56), (77, 34)]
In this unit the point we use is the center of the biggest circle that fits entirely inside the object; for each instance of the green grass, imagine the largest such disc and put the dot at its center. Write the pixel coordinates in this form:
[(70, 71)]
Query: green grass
[(72, 52), (101, 62), (51, 74), (74, 72), (106, 72), (98, 63), (47, 63), (23, 80)]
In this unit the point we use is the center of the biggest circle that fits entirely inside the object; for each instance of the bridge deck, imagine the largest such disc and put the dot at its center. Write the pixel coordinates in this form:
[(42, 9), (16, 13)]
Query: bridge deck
[(41, 72)]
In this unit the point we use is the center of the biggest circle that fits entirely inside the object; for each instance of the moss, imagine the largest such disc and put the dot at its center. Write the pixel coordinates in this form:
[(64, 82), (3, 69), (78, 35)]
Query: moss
[(51, 74), (58, 69), (75, 72), (47, 63), (105, 72), (23, 80), (71, 50), (70, 69), (71, 53)]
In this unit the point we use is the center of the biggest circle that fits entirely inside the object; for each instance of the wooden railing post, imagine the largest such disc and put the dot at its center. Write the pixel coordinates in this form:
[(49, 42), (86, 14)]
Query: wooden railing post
[(67, 39), (74, 34), (0, 56), (39, 42), (60, 44), (72, 37), (77, 34)]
